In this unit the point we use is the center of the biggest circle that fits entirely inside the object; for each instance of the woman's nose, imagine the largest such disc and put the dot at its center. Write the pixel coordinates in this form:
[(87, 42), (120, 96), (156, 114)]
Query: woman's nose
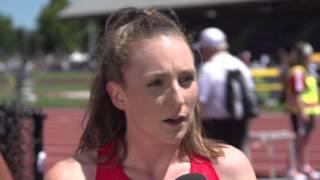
[(177, 94)]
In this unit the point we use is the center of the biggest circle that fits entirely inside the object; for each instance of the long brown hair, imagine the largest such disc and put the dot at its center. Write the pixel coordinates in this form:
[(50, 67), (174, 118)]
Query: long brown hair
[(107, 124)]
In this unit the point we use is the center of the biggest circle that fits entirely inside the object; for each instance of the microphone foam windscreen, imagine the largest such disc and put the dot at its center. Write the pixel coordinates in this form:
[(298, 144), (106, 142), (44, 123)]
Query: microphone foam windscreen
[(192, 176)]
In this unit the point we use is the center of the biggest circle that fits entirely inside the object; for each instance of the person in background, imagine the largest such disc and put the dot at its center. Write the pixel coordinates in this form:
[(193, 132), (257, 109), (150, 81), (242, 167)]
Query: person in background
[(303, 105), (218, 123), (143, 121), (246, 57), (284, 67)]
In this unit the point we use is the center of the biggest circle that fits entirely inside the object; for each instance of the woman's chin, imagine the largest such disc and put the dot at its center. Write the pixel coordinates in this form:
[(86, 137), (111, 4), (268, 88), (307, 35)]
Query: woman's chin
[(177, 138)]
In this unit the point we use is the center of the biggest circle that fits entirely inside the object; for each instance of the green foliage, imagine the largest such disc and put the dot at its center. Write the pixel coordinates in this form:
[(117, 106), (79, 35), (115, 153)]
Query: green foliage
[(57, 35), (7, 37), (53, 35), (48, 86), (28, 42), (16, 40)]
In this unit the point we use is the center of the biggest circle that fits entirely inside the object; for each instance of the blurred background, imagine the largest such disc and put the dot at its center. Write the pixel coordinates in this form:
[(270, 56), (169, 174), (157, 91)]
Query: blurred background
[(47, 62), (55, 40)]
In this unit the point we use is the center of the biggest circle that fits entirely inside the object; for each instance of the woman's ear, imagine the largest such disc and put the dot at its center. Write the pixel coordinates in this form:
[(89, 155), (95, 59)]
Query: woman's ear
[(116, 94)]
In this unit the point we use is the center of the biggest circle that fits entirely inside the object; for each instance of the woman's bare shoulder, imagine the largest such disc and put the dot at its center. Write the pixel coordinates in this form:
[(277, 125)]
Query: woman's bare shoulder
[(66, 169), (80, 167), (234, 165)]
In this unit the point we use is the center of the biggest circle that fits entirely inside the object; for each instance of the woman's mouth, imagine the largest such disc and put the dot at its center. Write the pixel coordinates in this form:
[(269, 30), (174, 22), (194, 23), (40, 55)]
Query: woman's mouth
[(174, 121)]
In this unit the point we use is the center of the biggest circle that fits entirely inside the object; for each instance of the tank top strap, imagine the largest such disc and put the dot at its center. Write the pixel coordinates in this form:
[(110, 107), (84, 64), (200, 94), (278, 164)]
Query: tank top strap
[(203, 166), (106, 169)]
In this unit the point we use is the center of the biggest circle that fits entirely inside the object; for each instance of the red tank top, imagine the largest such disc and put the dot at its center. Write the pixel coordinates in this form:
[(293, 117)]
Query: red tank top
[(107, 171)]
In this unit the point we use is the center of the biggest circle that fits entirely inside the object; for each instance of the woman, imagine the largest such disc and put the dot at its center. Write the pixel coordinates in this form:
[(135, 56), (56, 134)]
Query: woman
[(143, 121), (302, 95)]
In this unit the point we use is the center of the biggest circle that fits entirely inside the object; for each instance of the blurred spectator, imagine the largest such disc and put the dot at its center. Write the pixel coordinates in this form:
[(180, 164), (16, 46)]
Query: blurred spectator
[(224, 114), (284, 68), (264, 60), (303, 105), (2, 67), (246, 56)]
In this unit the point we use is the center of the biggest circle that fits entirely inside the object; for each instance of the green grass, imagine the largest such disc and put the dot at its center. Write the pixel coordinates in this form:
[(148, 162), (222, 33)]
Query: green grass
[(60, 102), (47, 84), (6, 87), (276, 108)]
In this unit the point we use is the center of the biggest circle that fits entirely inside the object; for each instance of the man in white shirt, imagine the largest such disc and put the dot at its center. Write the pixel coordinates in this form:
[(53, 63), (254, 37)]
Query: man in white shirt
[(218, 123)]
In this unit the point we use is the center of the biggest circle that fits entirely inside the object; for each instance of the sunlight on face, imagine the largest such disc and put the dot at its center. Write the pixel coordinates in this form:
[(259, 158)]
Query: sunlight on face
[(161, 88)]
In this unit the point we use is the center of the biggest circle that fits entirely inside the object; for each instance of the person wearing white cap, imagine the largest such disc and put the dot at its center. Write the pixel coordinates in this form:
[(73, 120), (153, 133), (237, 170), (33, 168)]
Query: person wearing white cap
[(218, 121), (211, 38)]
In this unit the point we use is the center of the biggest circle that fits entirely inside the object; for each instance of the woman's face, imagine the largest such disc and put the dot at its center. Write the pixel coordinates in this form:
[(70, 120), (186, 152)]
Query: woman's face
[(160, 88)]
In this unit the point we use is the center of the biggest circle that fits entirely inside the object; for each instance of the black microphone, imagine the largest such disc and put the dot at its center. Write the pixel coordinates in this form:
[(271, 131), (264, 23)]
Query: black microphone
[(192, 176)]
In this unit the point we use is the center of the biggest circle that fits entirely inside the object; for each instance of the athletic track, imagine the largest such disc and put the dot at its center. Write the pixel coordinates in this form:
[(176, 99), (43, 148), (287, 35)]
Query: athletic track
[(62, 130)]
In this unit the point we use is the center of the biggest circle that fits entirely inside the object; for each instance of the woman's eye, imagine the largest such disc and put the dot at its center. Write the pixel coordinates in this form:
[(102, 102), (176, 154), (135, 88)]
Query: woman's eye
[(186, 81), (157, 82)]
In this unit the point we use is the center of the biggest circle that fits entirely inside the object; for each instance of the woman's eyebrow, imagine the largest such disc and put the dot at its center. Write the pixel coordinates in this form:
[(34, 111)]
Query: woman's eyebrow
[(189, 71), (164, 73), (156, 74)]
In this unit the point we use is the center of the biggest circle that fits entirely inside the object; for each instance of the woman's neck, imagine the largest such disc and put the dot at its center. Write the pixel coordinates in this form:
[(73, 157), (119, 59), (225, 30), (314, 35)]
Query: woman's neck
[(148, 151), (150, 157)]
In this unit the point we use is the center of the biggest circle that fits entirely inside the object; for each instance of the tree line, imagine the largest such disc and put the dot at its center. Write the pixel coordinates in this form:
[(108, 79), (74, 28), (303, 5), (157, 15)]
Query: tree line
[(52, 34)]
